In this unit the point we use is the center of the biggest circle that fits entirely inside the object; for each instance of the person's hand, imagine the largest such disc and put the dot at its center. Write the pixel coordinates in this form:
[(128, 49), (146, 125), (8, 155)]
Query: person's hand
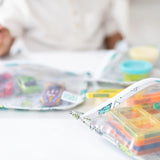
[(6, 41), (111, 41)]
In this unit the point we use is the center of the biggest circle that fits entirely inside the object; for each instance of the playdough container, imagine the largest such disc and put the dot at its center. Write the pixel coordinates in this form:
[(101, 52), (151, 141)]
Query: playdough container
[(144, 53), (134, 70)]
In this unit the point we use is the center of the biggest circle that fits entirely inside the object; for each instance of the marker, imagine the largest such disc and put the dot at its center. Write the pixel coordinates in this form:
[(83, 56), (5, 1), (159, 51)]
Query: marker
[(103, 93)]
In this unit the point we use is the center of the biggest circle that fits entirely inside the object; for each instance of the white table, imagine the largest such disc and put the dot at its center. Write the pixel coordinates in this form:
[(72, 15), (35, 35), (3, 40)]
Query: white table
[(54, 135)]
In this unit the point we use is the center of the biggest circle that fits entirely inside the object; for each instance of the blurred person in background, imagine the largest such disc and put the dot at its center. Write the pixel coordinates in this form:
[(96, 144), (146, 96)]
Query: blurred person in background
[(58, 24)]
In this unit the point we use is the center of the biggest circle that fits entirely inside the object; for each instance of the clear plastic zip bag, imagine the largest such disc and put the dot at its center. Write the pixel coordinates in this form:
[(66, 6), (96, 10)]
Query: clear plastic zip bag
[(28, 86), (128, 69), (130, 120)]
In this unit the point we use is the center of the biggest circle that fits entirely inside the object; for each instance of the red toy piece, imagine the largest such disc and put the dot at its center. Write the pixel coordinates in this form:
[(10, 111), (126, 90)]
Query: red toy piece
[(6, 85)]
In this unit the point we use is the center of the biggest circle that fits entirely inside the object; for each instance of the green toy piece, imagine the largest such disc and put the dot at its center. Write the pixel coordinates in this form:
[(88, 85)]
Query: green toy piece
[(26, 103), (156, 106), (28, 84)]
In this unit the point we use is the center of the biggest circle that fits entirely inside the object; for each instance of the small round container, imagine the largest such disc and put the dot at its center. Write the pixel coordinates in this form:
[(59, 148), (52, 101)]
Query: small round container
[(134, 70), (144, 53)]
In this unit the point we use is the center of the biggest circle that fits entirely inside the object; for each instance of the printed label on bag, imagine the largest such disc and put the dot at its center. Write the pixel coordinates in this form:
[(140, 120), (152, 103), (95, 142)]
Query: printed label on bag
[(70, 97), (105, 109)]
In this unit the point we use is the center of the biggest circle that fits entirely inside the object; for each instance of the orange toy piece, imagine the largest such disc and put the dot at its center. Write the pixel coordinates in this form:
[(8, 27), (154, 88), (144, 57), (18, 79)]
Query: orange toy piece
[(145, 99)]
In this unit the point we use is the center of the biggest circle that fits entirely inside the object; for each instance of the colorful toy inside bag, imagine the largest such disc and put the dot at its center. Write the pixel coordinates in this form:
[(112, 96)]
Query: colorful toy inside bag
[(29, 86), (131, 119), (128, 68)]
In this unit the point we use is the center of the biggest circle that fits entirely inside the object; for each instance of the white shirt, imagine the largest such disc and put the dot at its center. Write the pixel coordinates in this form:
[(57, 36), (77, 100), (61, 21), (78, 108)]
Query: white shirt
[(59, 24)]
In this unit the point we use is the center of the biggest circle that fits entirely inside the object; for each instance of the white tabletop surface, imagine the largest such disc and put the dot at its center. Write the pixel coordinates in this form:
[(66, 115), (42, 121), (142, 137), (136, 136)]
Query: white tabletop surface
[(55, 135)]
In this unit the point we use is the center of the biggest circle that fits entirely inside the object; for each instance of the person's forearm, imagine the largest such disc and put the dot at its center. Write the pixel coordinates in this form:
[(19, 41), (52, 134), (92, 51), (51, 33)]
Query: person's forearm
[(6, 41), (111, 41)]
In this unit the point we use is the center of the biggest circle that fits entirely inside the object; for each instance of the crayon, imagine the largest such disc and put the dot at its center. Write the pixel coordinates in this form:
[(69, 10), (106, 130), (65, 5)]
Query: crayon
[(103, 93)]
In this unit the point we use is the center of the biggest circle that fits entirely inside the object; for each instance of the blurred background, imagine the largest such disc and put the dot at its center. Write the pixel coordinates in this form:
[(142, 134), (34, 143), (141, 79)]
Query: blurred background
[(144, 22), (139, 19)]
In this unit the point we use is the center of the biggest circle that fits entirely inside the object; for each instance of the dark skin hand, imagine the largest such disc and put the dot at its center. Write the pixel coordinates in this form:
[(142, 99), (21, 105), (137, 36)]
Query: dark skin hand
[(6, 41), (111, 41)]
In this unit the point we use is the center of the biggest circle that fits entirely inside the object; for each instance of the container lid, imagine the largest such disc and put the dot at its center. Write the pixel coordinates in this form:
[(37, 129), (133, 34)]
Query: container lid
[(136, 67), (146, 51)]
